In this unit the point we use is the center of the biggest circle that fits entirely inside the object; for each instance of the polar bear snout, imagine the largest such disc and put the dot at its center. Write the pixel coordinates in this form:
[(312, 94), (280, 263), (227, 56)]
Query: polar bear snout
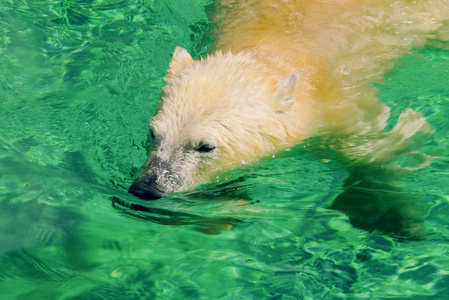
[(147, 184), (145, 188), (159, 176)]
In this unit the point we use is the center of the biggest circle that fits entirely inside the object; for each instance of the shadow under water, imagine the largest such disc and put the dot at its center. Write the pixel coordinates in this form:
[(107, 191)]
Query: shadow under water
[(374, 201)]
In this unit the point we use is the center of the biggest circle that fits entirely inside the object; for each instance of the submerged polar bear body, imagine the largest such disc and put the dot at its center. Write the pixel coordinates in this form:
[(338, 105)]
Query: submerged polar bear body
[(281, 72)]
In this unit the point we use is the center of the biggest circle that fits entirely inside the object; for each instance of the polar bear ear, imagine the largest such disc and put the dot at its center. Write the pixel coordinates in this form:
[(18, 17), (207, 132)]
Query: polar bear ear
[(181, 57), (286, 90)]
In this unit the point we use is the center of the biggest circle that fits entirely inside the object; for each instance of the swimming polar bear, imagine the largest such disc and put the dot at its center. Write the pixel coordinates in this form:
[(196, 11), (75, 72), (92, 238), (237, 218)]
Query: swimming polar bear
[(283, 71)]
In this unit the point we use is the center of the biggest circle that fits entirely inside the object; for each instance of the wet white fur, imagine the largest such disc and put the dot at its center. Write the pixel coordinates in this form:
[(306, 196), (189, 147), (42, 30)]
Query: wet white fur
[(283, 71)]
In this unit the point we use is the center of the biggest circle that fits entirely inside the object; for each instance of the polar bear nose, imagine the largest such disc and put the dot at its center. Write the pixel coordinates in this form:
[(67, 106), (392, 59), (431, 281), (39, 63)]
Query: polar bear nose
[(144, 191)]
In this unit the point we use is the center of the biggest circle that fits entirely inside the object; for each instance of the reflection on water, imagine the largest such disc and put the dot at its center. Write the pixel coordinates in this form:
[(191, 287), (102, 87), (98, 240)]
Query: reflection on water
[(167, 217)]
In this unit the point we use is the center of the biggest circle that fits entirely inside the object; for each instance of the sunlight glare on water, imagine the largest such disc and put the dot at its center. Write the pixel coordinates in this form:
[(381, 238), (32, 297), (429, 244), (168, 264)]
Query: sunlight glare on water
[(79, 81)]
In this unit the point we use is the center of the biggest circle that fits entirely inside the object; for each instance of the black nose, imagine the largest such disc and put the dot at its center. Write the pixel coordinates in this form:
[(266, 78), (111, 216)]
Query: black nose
[(143, 192)]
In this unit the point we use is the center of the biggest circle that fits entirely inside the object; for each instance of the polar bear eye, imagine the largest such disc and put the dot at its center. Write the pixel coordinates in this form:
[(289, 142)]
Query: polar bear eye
[(151, 134), (205, 148)]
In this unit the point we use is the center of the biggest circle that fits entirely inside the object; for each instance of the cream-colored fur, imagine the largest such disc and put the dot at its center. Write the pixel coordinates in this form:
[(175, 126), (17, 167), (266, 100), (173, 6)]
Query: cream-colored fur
[(283, 71)]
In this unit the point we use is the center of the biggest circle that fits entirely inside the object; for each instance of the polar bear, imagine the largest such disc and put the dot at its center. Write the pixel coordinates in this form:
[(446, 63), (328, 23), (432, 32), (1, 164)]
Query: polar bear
[(283, 71)]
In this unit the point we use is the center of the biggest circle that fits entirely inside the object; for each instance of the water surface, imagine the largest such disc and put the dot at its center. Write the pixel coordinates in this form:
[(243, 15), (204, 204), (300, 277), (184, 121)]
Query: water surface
[(79, 81)]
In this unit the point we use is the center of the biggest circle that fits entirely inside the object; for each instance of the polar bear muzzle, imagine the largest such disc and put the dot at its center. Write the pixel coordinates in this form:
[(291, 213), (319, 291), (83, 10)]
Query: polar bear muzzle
[(154, 179), (145, 188), (169, 169)]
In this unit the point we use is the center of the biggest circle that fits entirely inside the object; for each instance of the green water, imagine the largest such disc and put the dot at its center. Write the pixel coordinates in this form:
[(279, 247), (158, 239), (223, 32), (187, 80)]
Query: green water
[(79, 81)]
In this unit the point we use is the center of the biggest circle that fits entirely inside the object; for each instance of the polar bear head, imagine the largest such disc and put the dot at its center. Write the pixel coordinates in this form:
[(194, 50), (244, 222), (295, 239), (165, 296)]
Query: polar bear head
[(215, 113)]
